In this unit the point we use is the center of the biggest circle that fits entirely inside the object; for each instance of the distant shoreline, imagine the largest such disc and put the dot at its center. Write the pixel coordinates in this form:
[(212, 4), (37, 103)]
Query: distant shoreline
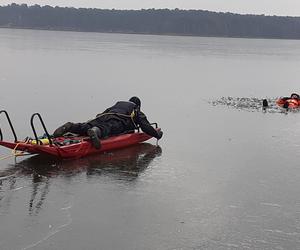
[(124, 33), (195, 23)]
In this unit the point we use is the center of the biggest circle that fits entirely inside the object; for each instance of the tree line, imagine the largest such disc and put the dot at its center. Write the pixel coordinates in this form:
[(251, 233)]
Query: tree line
[(150, 21)]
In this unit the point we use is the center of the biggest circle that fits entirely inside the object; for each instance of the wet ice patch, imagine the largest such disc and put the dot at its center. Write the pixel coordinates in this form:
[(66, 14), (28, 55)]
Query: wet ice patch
[(270, 204)]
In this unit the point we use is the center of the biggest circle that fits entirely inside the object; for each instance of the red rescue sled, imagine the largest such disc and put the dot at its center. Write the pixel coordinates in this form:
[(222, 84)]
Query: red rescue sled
[(74, 147), (76, 150)]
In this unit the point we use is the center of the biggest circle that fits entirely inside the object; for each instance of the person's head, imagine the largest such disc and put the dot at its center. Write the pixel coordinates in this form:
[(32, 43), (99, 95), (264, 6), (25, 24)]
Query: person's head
[(295, 96), (136, 100)]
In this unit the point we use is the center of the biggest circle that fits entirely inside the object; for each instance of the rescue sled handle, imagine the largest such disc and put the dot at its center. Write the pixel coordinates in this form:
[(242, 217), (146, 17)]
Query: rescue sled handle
[(43, 125), (154, 123), (10, 124)]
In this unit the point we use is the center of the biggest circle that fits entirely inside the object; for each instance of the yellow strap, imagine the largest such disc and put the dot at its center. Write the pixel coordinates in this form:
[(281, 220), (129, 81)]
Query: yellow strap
[(14, 152), (119, 114)]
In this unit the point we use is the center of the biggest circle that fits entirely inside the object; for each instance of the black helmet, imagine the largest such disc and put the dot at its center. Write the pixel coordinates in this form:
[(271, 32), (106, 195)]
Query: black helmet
[(135, 100), (294, 95)]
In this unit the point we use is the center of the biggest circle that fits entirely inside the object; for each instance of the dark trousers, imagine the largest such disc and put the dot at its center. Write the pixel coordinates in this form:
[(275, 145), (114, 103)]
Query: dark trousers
[(108, 126)]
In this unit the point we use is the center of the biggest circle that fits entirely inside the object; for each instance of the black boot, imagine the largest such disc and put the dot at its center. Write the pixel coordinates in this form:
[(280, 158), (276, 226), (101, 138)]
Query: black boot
[(62, 129), (95, 134)]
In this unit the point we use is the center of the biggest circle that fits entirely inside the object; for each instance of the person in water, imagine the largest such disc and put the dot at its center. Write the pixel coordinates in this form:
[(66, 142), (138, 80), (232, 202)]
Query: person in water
[(293, 96), (121, 117)]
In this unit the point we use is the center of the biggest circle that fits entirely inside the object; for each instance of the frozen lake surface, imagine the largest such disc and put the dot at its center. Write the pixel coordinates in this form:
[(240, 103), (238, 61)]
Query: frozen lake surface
[(222, 178)]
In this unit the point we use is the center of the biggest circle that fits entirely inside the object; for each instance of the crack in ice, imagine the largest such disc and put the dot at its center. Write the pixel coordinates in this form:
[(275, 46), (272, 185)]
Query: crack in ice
[(58, 229)]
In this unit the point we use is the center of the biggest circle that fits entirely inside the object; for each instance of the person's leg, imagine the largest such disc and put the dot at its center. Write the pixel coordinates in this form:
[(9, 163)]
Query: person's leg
[(104, 128), (80, 128), (110, 127), (76, 128)]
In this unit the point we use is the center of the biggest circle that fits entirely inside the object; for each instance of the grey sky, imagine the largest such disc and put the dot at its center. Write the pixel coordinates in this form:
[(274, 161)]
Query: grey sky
[(269, 7)]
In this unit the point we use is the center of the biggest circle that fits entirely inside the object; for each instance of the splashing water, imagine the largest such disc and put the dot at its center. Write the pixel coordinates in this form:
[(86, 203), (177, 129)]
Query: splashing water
[(252, 104)]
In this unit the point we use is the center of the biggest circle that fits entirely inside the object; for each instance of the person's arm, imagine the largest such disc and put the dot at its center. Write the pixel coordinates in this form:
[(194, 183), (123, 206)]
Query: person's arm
[(146, 127)]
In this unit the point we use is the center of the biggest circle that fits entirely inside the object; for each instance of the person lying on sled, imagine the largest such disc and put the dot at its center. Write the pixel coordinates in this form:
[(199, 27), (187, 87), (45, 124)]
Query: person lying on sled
[(123, 116)]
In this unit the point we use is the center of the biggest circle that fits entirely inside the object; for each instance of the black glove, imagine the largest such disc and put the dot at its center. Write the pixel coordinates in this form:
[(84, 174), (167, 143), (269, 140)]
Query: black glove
[(159, 134)]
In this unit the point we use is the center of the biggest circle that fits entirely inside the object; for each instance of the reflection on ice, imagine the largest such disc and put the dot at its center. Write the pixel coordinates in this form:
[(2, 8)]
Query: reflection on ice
[(131, 160), (125, 164), (29, 187)]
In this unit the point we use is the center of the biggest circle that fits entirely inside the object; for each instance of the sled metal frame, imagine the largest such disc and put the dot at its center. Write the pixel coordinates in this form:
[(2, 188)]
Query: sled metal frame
[(44, 127), (10, 124)]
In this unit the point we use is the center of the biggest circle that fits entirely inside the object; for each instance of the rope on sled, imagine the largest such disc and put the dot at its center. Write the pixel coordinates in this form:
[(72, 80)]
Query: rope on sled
[(14, 152)]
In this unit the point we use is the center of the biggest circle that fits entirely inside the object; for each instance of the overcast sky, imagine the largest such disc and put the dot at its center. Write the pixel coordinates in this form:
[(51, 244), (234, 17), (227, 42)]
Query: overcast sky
[(269, 7)]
